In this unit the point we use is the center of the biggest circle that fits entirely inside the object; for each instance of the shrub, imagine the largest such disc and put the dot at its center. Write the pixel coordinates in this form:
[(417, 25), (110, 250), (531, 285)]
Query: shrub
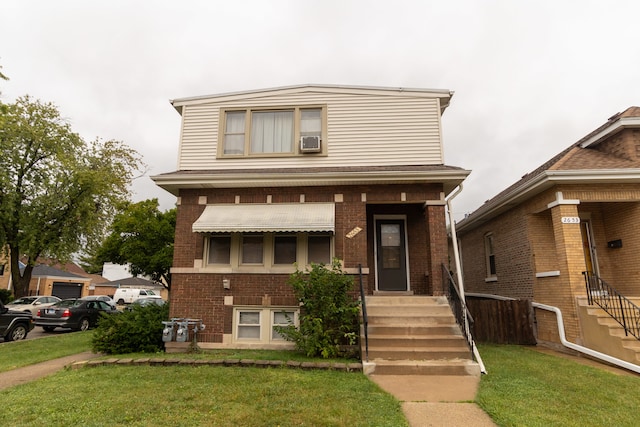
[(329, 314), (138, 330), (6, 296)]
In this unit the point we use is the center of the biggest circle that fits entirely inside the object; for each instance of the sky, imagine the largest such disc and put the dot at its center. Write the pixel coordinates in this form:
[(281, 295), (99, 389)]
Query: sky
[(530, 77)]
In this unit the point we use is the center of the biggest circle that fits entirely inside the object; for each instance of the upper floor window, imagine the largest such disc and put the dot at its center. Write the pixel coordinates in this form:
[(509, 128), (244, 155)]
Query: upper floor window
[(269, 132), (490, 256)]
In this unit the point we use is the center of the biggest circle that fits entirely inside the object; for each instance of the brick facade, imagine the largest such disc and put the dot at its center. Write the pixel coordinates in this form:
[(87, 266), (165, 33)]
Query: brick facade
[(198, 294)]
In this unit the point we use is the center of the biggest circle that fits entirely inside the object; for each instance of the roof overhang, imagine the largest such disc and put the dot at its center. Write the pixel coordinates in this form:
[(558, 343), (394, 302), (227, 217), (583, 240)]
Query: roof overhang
[(542, 182), (173, 182), (279, 217), (443, 94), (615, 127)]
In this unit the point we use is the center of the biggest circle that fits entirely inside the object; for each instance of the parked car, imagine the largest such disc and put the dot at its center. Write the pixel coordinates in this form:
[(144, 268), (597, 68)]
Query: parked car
[(77, 314), (105, 298), (131, 295), (14, 325), (143, 302), (32, 304)]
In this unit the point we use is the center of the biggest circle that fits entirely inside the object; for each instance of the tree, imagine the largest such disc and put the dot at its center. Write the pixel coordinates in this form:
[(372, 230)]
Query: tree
[(57, 192), (141, 235)]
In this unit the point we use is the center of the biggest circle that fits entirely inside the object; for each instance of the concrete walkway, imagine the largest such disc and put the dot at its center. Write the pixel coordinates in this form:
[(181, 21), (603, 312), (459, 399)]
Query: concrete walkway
[(40, 370), (436, 400)]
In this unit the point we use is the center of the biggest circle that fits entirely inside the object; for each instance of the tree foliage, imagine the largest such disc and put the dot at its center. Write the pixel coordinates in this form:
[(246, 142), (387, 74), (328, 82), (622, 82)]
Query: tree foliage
[(329, 313), (57, 192), (141, 235)]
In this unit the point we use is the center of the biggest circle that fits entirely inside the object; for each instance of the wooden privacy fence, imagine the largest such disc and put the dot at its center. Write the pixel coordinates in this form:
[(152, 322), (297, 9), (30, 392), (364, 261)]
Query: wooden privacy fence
[(502, 322)]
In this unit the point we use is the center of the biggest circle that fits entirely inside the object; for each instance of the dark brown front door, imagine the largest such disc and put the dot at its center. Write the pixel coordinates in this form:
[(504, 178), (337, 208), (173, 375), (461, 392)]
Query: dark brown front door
[(391, 256)]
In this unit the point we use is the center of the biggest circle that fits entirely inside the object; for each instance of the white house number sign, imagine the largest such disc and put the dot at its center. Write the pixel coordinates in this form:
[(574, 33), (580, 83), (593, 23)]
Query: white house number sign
[(570, 220)]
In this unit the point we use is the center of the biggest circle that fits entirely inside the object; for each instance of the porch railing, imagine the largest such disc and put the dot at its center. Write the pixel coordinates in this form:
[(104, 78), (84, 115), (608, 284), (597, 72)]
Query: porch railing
[(365, 319), (459, 307), (620, 308)]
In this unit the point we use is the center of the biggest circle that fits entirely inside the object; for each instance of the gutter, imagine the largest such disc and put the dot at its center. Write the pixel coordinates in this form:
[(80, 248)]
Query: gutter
[(456, 257)]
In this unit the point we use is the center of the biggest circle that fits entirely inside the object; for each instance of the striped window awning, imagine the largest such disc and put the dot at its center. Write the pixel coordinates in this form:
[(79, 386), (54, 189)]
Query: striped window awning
[(278, 217)]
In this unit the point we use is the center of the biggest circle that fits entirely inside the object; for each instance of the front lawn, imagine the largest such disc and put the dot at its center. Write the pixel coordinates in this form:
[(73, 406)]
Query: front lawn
[(528, 388), (23, 353), (202, 396)]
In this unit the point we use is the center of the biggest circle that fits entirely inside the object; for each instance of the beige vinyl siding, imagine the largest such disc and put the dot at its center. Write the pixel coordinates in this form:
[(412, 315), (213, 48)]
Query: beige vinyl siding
[(362, 130)]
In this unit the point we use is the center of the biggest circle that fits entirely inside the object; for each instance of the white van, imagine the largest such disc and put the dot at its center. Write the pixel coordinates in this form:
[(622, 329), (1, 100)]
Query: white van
[(129, 295)]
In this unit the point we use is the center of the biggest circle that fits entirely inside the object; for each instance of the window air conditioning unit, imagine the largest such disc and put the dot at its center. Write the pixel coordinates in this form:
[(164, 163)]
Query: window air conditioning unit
[(310, 144)]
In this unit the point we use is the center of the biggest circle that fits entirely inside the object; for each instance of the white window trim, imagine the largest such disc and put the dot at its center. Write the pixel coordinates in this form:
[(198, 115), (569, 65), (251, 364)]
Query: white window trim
[(296, 131), (266, 323)]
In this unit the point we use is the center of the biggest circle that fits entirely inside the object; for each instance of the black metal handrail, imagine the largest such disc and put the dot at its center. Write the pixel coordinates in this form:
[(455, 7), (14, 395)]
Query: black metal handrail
[(365, 319), (619, 307), (459, 307)]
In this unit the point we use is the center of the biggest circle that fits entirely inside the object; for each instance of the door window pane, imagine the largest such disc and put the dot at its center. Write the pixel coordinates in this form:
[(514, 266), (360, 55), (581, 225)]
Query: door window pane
[(319, 248), (390, 234), (284, 249), (220, 250), (252, 248)]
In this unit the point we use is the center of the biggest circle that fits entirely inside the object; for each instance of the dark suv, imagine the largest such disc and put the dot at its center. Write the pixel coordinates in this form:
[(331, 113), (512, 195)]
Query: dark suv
[(14, 325)]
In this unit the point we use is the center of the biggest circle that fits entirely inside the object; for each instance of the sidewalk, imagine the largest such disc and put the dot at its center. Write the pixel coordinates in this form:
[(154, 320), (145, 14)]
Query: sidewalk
[(40, 370), (436, 400)]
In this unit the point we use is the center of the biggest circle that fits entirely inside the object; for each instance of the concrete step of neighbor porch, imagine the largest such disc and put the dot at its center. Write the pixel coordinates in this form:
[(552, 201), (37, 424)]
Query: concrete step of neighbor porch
[(415, 335)]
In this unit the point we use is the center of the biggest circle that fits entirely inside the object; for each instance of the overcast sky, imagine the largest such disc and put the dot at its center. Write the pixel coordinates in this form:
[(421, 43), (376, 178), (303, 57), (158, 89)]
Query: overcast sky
[(530, 77)]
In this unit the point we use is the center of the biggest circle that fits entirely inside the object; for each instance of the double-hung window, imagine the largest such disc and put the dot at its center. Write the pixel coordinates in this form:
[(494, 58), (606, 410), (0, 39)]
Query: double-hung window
[(269, 132), (260, 324), (490, 256)]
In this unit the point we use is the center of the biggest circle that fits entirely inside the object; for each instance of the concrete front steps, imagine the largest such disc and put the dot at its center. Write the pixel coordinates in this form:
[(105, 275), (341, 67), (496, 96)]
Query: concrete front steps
[(415, 335), (604, 334)]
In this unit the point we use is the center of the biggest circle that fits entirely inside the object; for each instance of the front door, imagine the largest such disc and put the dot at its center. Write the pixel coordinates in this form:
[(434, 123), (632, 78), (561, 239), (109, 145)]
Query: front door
[(391, 255)]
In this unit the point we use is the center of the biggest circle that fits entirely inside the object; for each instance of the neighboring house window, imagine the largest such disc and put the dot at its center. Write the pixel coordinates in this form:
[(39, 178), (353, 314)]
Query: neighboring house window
[(278, 252), (2, 269), (490, 255), (258, 325), (269, 131)]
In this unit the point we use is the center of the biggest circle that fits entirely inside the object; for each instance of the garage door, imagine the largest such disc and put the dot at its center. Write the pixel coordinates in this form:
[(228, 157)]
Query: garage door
[(67, 290)]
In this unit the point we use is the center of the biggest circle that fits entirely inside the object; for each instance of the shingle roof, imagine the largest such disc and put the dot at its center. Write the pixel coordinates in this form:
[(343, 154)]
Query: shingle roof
[(576, 157)]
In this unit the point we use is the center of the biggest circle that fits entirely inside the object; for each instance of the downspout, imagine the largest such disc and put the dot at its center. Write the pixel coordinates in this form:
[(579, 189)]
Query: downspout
[(605, 357), (456, 258)]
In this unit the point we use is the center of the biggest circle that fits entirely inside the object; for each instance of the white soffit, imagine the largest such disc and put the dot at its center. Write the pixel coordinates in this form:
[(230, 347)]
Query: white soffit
[(280, 217)]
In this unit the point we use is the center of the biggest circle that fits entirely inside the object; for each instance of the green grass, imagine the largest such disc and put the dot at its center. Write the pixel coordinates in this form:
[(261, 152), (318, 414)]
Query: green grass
[(528, 388), (23, 353), (204, 396)]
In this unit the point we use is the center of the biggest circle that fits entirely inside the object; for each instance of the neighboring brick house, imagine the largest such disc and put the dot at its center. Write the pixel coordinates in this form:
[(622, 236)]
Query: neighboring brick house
[(271, 178), (578, 212)]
